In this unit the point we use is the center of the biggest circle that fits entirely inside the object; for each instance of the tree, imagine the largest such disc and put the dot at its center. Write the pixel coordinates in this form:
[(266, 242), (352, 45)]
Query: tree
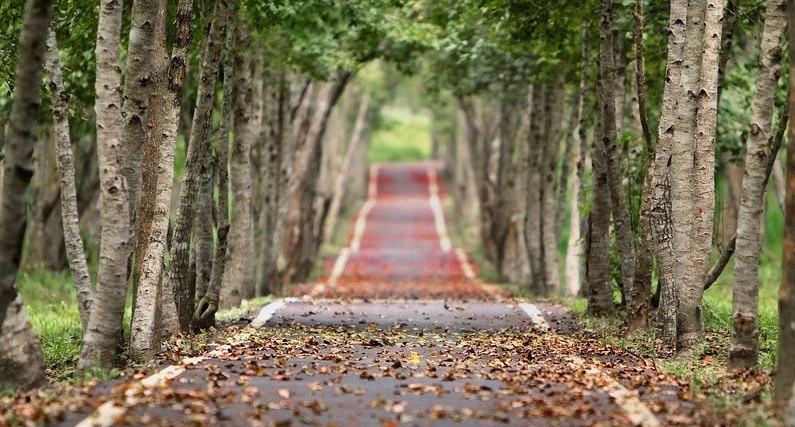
[(609, 136), (162, 113), (105, 325), (744, 349), (682, 199), (198, 149), (21, 363), (786, 304), (75, 251)]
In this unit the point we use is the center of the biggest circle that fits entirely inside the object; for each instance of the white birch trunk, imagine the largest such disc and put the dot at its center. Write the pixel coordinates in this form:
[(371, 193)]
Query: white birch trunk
[(75, 250), (744, 350)]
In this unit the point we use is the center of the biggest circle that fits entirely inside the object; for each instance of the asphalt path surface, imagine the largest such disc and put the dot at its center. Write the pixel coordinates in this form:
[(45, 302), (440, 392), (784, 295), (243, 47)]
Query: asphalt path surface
[(398, 331)]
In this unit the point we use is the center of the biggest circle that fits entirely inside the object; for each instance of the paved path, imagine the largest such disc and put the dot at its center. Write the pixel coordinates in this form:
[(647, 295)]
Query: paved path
[(399, 332)]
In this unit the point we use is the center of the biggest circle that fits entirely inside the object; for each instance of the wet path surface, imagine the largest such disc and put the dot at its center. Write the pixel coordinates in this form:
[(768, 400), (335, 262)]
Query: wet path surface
[(399, 331)]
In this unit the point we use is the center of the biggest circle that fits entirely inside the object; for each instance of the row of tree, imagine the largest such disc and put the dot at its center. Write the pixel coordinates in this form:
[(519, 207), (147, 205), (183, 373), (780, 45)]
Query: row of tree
[(210, 134), (549, 111), (558, 113)]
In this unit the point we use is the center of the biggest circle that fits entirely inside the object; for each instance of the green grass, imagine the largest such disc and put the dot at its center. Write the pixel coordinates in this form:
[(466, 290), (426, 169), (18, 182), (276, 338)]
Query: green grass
[(400, 135), (50, 302)]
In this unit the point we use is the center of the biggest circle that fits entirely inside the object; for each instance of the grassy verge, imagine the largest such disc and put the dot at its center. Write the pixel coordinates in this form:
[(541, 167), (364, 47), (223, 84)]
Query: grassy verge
[(49, 299)]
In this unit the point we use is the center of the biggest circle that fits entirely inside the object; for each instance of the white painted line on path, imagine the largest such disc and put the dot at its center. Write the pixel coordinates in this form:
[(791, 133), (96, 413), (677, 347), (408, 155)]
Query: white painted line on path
[(628, 401), (266, 313), (110, 412), (358, 231), (438, 213), (372, 184), (535, 315), (339, 266), (469, 271), (361, 224)]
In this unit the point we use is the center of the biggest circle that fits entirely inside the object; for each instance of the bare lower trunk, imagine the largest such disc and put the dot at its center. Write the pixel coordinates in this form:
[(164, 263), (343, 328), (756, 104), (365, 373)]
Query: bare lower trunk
[(618, 200), (744, 349), (303, 241), (105, 325), (75, 250), (549, 166), (198, 149), (785, 376), (204, 315), (599, 280), (138, 85), (690, 326), (662, 222), (575, 250), (154, 296), (533, 204), (21, 363), (237, 279), (203, 229), (639, 296), (354, 147), (270, 173)]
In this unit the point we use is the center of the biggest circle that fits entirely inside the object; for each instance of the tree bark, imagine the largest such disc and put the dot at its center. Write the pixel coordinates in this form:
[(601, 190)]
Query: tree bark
[(198, 149), (105, 325), (139, 82), (599, 289), (609, 137), (744, 350), (785, 376), (21, 364), (574, 250), (702, 166), (154, 296), (237, 275), (204, 316), (549, 169), (639, 302), (271, 173), (357, 140), (661, 207), (75, 250), (533, 204)]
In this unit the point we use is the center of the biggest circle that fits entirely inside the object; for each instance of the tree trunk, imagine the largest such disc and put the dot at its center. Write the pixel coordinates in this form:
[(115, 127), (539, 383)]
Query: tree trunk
[(204, 316), (744, 349), (661, 208), (203, 229), (237, 275), (599, 290), (533, 214), (139, 78), (105, 325), (357, 140), (303, 242), (75, 250), (639, 302), (574, 250), (618, 200), (21, 364), (154, 296), (549, 169), (270, 174), (198, 149), (785, 376)]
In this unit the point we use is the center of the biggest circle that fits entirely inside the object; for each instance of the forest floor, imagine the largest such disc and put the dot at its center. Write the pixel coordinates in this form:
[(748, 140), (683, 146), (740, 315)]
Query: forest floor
[(399, 331)]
